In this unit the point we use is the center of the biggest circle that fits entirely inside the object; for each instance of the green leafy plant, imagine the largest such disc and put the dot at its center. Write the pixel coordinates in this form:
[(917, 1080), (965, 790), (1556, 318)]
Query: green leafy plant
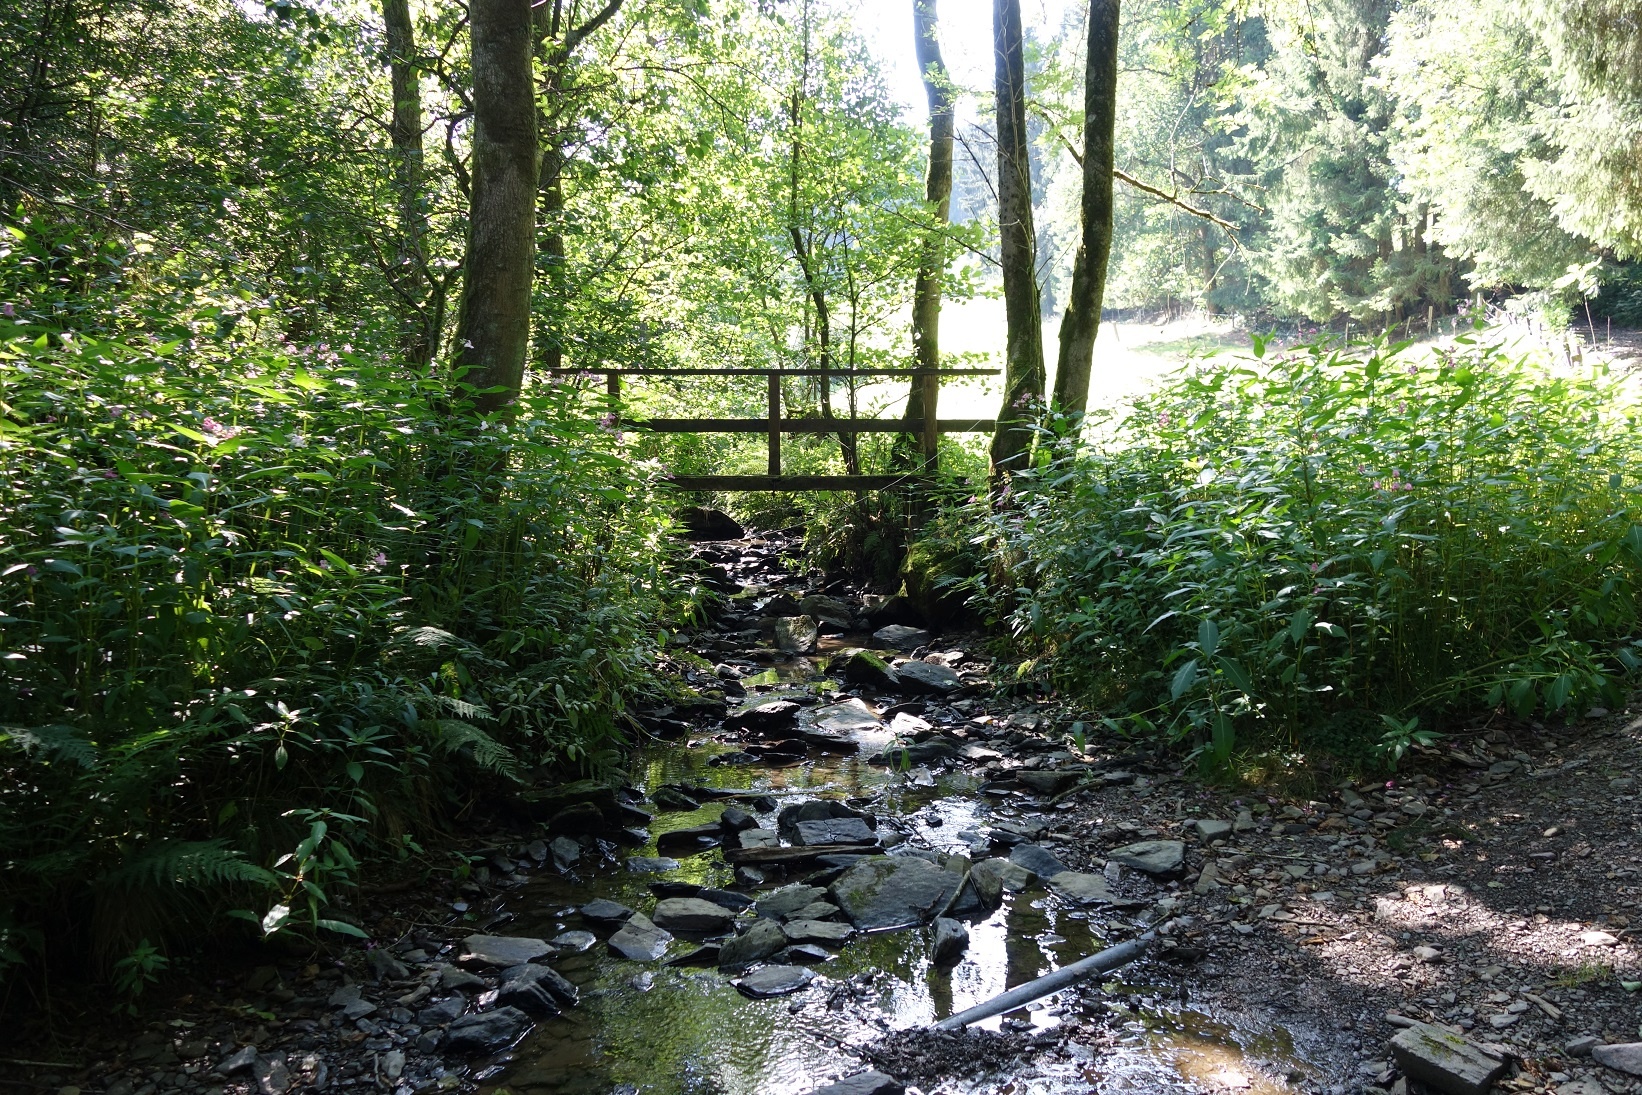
[(1267, 549), (137, 971)]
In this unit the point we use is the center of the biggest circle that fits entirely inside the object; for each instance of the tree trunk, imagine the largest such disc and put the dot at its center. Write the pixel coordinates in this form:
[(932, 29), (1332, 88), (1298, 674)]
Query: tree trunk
[(555, 46), (803, 253), (416, 335), (926, 289), (493, 322), (1081, 323), (1023, 353)]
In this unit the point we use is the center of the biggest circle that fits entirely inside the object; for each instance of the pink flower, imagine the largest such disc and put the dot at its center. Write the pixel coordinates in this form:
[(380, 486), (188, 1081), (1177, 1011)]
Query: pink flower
[(379, 559), (7, 309), (110, 473)]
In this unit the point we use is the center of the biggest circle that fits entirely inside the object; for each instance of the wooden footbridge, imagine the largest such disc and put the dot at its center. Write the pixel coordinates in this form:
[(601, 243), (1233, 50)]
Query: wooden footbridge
[(927, 429)]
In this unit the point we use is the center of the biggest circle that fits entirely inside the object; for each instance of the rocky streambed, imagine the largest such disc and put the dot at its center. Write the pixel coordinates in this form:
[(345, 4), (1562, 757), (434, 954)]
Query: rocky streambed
[(844, 833)]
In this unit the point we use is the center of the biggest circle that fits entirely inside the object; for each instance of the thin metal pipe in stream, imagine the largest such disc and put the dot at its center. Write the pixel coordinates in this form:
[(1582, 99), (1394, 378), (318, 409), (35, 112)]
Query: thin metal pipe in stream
[(1104, 962)]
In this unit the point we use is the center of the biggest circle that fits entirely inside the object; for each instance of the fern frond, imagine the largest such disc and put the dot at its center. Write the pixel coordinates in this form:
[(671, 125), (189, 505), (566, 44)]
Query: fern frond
[(462, 709), (56, 742), (197, 864), (485, 751)]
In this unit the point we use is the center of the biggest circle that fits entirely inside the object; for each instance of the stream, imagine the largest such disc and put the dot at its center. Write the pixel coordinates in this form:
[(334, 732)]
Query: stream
[(674, 1028)]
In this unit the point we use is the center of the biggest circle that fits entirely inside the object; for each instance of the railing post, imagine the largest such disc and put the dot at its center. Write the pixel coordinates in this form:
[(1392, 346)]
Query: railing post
[(775, 424), (932, 427), (612, 384)]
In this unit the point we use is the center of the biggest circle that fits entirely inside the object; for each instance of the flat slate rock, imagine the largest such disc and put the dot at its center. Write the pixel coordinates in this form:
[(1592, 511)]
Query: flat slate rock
[(924, 679), (765, 717), (604, 911), (574, 942), (504, 950), (486, 1032), (759, 838), (767, 981), (1087, 889), (901, 637), (863, 1083), (1161, 858), (691, 914), (1445, 1061), (883, 893), (651, 864), (1620, 1056), (1040, 861), (851, 714), (817, 931), (782, 903), (835, 830), (640, 940)]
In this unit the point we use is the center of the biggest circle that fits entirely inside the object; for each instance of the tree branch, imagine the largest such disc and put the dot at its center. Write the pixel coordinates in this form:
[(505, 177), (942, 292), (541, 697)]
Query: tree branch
[(1174, 200)]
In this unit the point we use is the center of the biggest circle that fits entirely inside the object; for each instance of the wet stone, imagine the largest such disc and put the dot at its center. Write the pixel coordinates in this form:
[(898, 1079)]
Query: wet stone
[(691, 914), (924, 679), (605, 912), (818, 910), (504, 950), (864, 667), (574, 942), (851, 714), (550, 980), (817, 931), (440, 1012), (640, 940), (768, 981), (837, 830), (766, 717), (1038, 860), (951, 940), (651, 864), (757, 943), (1086, 889), (901, 637), (1160, 858), (729, 899), (736, 820), (882, 893), (865, 1083), (787, 900), (451, 978), (486, 1032), (759, 838), (796, 634)]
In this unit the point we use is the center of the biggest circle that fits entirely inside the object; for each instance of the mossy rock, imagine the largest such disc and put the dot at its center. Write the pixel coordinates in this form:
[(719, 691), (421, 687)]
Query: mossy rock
[(928, 576)]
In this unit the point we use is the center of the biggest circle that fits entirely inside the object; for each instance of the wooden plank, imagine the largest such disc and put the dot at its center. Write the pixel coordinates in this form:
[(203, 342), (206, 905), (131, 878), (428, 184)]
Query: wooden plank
[(808, 425), (789, 482), (841, 374), (774, 424)]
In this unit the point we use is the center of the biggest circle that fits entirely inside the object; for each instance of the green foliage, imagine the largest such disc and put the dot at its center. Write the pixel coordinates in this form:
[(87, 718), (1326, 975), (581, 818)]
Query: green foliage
[(242, 582), (138, 970), (1261, 551)]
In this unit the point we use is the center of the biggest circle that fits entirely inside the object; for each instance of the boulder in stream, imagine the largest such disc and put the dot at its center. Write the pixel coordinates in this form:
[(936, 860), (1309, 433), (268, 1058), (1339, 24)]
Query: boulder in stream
[(766, 718), (834, 830), (859, 666), (762, 940), (486, 1032), (926, 679), (951, 940), (702, 523), (692, 914), (902, 637), (768, 981), (796, 634), (640, 940), (503, 950), (882, 892), (863, 1083)]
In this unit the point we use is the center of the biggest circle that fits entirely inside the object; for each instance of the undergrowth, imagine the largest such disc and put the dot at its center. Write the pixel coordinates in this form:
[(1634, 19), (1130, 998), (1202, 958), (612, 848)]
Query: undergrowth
[(267, 610), (1333, 550)]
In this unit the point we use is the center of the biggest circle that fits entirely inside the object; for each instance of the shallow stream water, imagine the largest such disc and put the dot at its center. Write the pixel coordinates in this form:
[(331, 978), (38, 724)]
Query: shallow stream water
[(688, 1031)]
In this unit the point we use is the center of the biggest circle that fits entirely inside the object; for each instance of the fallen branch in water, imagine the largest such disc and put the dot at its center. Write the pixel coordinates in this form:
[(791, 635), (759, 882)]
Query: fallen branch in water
[(1104, 962)]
